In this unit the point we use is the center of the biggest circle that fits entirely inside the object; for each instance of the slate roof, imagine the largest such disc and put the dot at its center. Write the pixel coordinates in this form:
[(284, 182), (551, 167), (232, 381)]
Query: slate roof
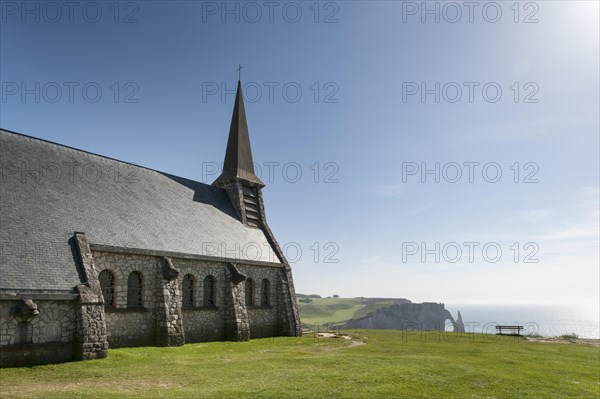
[(48, 191)]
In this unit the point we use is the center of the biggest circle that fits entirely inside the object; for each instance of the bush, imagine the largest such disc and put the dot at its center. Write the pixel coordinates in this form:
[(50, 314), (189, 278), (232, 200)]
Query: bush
[(571, 336), (535, 335)]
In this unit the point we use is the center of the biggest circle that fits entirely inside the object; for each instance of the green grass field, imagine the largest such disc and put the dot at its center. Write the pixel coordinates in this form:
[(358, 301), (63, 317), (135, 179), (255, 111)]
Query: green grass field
[(323, 311), (389, 364)]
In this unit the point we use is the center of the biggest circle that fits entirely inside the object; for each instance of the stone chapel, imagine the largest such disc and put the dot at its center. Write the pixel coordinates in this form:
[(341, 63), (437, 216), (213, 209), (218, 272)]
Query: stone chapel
[(98, 253)]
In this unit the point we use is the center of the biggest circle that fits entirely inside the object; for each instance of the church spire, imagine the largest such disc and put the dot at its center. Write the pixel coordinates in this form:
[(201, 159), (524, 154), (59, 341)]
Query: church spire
[(238, 178), (238, 162)]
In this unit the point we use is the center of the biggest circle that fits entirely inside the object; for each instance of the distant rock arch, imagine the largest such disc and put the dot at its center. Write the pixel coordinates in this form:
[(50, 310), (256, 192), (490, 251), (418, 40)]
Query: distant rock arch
[(457, 325)]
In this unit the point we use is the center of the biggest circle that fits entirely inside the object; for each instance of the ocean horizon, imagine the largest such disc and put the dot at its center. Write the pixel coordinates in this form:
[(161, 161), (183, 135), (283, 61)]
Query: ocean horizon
[(546, 320)]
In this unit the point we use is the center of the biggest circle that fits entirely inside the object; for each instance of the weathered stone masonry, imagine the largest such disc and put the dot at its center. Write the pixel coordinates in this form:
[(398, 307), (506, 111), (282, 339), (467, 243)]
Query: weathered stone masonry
[(169, 329), (48, 334), (91, 325), (163, 320), (79, 326)]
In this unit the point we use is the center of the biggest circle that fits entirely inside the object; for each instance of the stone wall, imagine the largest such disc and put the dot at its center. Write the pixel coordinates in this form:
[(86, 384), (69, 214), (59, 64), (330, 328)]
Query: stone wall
[(200, 270), (91, 324), (130, 326), (46, 337), (169, 326), (79, 326), (162, 301), (203, 324), (122, 265), (56, 322), (237, 327), (262, 319), (92, 342), (34, 354), (54, 326), (288, 318)]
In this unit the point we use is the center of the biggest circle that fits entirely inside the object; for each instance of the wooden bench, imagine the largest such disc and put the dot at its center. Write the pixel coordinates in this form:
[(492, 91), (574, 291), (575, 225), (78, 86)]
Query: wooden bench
[(513, 330)]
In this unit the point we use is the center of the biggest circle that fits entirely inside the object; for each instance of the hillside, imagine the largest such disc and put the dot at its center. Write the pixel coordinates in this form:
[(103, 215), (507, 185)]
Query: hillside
[(326, 311)]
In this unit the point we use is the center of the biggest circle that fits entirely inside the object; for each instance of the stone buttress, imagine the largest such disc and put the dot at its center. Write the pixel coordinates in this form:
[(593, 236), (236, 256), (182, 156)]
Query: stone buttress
[(92, 342), (169, 320)]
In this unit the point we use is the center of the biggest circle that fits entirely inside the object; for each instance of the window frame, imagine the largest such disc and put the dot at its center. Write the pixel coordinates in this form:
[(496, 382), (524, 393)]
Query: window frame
[(265, 297), (249, 289), (209, 286), (112, 284), (188, 299), (138, 302), (24, 333)]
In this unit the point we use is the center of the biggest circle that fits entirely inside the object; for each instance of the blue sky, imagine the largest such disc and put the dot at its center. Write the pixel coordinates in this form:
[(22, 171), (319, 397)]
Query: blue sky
[(336, 87)]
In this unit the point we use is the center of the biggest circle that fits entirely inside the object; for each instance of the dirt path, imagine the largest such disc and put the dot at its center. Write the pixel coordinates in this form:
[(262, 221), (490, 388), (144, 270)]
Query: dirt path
[(560, 340), (352, 342)]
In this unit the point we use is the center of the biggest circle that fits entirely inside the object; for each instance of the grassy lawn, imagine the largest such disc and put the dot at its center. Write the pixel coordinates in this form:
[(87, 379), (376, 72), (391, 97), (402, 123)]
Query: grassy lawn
[(389, 364)]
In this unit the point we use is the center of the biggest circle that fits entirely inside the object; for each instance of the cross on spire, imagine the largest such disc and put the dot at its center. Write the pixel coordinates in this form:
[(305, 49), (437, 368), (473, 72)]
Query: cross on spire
[(238, 163), (239, 69)]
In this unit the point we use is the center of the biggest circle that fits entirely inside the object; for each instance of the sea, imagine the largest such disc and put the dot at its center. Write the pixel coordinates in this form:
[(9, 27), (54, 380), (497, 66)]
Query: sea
[(545, 320)]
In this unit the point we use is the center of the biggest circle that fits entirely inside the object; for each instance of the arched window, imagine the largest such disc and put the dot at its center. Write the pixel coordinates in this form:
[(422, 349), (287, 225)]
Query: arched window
[(188, 291), (24, 334), (107, 283), (209, 291), (249, 292), (134, 290), (266, 294)]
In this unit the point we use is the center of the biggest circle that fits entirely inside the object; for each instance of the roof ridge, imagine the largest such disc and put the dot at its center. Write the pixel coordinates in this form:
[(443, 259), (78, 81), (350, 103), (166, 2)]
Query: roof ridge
[(98, 155)]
